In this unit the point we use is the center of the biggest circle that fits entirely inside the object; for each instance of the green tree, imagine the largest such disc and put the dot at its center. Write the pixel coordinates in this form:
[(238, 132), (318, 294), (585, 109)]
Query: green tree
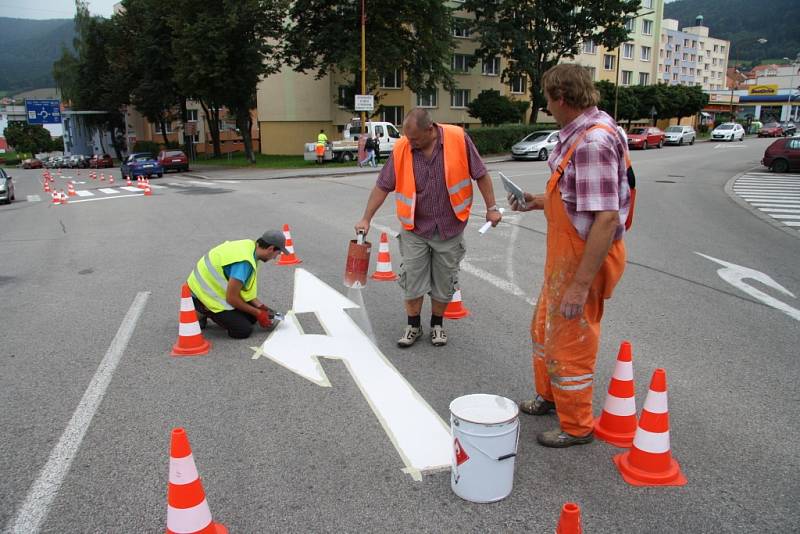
[(26, 137), (693, 102), (627, 103), (534, 35), (492, 108), (413, 36)]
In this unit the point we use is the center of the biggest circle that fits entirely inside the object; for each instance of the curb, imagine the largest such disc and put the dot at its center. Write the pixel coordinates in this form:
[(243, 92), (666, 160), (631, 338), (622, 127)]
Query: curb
[(747, 206)]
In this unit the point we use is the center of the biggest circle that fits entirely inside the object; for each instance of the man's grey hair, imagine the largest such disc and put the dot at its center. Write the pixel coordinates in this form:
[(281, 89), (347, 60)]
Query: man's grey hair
[(419, 117)]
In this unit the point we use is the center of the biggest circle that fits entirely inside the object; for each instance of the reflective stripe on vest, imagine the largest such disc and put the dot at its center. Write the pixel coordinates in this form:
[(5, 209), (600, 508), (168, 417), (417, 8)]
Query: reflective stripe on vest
[(207, 281), (456, 174)]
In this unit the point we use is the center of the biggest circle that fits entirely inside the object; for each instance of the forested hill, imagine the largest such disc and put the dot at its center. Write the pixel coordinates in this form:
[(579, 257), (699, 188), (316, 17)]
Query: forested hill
[(28, 49), (744, 22)]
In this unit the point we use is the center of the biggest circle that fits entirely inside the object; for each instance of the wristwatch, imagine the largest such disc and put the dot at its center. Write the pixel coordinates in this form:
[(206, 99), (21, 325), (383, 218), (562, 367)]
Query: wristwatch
[(493, 208)]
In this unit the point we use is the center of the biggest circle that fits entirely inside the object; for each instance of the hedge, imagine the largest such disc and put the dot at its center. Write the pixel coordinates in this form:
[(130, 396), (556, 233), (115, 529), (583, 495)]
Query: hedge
[(498, 139)]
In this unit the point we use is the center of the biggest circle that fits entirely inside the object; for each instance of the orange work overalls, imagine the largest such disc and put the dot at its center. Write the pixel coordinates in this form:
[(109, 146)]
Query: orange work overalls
[(564, 351)]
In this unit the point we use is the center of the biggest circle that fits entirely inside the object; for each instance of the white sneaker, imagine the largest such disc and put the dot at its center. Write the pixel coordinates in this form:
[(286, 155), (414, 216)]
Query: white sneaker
[(410, 335), (438, 337)]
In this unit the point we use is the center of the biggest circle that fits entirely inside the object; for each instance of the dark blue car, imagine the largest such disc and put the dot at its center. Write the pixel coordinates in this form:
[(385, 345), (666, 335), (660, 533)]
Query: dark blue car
[(141, 164)]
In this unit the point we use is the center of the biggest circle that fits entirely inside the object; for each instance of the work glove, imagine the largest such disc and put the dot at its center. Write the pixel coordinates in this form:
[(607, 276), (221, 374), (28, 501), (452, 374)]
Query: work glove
[(267, 309), (264, 320)]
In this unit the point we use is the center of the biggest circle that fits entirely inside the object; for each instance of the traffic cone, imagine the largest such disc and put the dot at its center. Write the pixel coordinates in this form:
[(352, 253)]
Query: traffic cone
[(456, 309), (147, 191), (70, 189), (55, 198), (140, 183), (46, 186), (110, 178), (383, 269), (128, 179), (570, 520), (617, 423), (187, 507), (190, 339), (290, 258), (63, 197), (102, 177), (649, 461)]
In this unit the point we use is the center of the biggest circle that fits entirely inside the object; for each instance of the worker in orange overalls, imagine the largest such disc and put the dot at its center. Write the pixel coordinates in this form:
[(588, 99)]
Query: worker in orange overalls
[(586, 206)]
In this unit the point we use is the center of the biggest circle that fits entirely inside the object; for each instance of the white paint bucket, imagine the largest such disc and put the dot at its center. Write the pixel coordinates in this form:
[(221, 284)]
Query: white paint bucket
[(485, 431)]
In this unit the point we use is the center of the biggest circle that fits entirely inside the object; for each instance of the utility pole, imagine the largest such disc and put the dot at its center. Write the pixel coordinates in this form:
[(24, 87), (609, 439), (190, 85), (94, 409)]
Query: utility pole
[(363, 62)]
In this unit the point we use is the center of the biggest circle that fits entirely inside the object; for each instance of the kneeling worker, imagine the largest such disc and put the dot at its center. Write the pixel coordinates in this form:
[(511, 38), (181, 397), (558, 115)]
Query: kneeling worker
[(224, 284)]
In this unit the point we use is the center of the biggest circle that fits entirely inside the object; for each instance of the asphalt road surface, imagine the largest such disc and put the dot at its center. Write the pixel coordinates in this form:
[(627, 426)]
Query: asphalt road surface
[(89, 392)]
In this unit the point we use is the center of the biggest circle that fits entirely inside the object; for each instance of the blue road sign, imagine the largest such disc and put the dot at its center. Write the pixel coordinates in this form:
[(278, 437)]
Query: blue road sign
[(43, 111)]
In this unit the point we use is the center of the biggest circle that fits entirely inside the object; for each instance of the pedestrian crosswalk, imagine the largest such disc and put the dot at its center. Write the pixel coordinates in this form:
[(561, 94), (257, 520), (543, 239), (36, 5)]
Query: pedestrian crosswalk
[(775, 195)]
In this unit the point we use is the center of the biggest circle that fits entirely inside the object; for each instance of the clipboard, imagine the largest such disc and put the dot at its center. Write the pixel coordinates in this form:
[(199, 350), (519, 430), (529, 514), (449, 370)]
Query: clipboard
[(514, 189)]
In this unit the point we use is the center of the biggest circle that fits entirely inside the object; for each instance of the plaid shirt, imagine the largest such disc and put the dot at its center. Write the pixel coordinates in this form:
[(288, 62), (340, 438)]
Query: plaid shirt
[(596, 177), (433, 211)]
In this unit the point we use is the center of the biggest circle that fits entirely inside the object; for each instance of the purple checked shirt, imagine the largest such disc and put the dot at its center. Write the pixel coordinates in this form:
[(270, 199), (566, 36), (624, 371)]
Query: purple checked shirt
[(433, 211), (596, 177)]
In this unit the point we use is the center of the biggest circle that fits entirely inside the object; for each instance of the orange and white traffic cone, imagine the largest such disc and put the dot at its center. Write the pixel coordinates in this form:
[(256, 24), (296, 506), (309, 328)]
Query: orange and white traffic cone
[(290, 258), (140, 183), (147, 191), (102, 177), (187, 508), (617, 423), (55, 198), (110, 178), (456, 309), (71, 189), (383, 269), (63, 197), (649, 461), (46, 186), (570, 520), (128, 179), (190, 338)]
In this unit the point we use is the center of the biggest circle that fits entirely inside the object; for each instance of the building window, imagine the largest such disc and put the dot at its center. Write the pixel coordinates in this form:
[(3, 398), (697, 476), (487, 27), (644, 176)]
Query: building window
[(342, 95), (716, 48), (460, 63), (693, 58), (644, 78), (685, 56), (669, 54), (392, 80), (646, 53), (589, 47), (428, 98), (627, 51), (626, 77), (491, 66), (459, 98), (675, 76), (647, 27), (518, 84), (460, 28), (608, 62), (722, 49), (191, 115), (676, 62), (667, 68), (592, 72), (157, 128), (647, 3), (694, 44), (630, 25), (393, 114)]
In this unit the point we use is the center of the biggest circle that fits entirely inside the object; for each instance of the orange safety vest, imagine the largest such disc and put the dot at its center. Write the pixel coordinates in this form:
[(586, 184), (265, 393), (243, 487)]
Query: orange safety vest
[(456, 176)]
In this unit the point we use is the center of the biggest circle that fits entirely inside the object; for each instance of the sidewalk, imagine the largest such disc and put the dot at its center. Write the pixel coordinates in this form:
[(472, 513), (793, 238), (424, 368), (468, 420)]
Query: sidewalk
[(219, 172)]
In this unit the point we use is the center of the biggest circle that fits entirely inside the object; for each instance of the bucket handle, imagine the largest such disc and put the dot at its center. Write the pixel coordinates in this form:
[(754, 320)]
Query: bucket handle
[(360, 237), (491, 456)]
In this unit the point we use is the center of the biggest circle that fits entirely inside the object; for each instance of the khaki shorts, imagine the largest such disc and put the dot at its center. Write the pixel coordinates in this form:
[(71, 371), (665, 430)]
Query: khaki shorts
[(430, 265)]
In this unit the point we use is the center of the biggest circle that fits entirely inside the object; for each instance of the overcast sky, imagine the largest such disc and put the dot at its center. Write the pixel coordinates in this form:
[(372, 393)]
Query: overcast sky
[(52, 9)]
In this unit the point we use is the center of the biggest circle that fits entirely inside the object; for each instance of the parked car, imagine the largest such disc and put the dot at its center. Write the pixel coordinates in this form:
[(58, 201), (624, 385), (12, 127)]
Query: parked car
[(141, 164), (173, 160), (536, 145), (77, 162), (678, 135), (788, 128), (101, 162), (645, 137), (32, 163), (728, 131), (783, 155), (6, 188), (771, 129)]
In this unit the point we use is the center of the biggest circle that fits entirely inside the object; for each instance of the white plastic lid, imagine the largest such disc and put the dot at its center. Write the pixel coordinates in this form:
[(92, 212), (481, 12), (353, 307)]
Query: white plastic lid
[(484, 409)]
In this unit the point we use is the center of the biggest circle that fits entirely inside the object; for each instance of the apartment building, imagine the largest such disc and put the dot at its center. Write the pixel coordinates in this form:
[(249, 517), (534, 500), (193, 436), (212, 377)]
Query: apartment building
[(711, 53)]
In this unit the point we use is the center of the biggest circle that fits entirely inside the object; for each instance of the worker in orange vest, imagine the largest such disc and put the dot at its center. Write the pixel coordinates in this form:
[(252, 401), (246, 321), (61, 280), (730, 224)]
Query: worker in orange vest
[(431, 171), (586, 205)]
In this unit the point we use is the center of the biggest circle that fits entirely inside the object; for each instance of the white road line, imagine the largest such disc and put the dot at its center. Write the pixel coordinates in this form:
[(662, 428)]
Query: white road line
[(83, 193), (105, 198), (153, 186), (796, 210), (769, 186), (37, 503), (780, 204), (131, 188), (496, 281), (34, 198), (791, 223), (227, 181), (109, 191), (783, 216), (771, 174), (177, 184), (767, 181), (196, 182), (755, 194)]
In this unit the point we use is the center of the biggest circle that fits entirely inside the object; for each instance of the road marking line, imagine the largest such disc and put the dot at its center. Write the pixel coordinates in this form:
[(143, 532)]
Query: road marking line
[(109, 191), (782, 204), (105, 198), (783, 216), (177, 184), (154, 186), (37, 503), (34, 198), (83, 193), (796, 209), (791, 223), (196, 182), (227, 181), (131, 188), (499, 283)]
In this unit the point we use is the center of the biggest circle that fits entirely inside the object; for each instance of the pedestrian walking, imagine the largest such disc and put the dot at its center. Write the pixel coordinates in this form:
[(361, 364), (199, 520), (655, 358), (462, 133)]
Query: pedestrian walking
[(431, 171), (369, 148)]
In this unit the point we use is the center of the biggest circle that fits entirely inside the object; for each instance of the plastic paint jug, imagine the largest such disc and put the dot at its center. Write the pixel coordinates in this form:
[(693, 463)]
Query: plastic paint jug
[(355, 270)]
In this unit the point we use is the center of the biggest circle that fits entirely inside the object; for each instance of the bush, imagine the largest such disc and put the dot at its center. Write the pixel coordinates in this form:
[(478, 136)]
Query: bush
[(147, 146), (497, 139)]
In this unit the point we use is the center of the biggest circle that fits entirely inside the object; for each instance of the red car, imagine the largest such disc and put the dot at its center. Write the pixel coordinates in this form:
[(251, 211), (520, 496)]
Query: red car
[(646, 137), (173, 160), (783, 155), (771, 129), (32, 163), (101, 162)]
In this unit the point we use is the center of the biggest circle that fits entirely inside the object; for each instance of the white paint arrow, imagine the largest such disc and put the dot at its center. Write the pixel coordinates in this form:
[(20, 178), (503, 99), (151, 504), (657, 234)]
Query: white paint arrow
[(418, 433), (736, 274)]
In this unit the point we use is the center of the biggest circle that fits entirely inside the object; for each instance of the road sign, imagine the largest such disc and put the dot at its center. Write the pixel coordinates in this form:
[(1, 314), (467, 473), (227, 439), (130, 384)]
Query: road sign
[(365, 103), (43, 111), (418, 433)]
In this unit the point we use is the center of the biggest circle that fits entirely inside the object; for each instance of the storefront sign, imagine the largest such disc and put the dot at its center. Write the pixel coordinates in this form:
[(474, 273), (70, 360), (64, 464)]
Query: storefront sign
[(763, 90)]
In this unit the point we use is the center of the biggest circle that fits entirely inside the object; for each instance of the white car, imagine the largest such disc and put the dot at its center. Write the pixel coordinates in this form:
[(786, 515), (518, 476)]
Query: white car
[(536, 145), (728, 131), (678, 135)]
